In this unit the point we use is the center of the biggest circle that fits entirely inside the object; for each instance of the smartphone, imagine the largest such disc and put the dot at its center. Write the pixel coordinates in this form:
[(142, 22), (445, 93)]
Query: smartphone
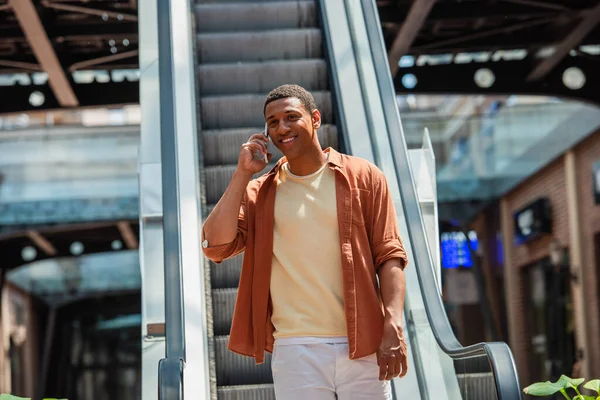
[(267, 136)]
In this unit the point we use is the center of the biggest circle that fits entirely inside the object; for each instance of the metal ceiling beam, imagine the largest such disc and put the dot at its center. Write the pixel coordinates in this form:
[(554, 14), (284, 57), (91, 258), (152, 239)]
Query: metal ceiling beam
[(16, 98), (466, 11), (540, 4), (127, 234), (80, 31), (42, 243), (590, 19), (510, 78), (20, 65), (42, 48), (409, 31), (102, 60), (487, 33), (501, 42), (27, 64), (91, 11)]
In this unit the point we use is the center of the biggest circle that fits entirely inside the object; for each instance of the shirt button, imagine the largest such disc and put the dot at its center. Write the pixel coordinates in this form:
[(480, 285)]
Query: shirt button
[(205, 243)]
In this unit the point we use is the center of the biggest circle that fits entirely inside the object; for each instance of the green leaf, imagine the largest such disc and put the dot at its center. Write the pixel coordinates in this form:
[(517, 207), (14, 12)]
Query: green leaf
[(584, 397), (593, 385), (11, 397), (539, 389), (566, 382)]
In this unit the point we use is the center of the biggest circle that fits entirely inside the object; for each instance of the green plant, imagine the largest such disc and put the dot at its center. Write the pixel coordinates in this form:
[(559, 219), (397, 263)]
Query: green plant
[(11, 397), (561, 385)]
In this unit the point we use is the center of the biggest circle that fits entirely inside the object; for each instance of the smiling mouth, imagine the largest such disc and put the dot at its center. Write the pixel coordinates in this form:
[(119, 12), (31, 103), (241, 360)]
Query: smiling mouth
[(288, 140)]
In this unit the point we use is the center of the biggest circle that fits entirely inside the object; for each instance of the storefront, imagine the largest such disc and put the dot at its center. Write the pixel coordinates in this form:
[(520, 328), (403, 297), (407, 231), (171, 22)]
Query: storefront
[(550, 226)]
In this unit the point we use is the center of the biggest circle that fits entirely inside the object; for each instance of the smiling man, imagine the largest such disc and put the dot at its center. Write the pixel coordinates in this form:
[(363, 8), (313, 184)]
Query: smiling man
[(317, 231)]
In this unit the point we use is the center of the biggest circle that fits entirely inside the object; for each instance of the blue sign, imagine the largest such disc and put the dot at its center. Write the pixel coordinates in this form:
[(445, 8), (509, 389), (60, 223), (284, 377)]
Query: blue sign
[(455, 251)]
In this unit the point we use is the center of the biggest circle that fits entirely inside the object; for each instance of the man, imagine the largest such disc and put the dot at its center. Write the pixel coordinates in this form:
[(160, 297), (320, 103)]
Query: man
[(317, 231)]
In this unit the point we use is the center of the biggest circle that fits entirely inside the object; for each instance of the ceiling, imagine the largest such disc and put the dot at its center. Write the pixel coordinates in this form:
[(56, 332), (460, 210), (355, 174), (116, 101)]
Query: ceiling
[(53, 44), (527, 44), (452, 26), (82, 33)]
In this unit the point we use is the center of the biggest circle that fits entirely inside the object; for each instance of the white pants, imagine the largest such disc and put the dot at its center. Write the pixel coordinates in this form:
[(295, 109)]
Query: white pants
[(323, 371)]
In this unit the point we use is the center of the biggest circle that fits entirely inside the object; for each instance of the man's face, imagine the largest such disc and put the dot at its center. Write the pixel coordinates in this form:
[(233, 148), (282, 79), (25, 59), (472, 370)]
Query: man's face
[(291, 127)]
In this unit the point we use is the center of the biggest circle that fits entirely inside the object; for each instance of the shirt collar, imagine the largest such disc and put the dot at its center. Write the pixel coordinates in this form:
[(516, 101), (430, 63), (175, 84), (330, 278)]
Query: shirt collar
[(334, 159)]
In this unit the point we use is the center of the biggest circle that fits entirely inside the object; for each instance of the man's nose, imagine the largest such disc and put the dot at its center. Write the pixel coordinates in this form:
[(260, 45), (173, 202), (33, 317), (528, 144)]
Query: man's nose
[(282, 128)]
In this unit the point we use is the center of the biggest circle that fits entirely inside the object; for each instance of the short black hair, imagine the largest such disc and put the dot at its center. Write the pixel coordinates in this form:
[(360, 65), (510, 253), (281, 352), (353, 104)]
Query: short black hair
[(296, 91)]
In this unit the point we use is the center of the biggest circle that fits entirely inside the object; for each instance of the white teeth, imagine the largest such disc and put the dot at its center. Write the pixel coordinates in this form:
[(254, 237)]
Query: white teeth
[(287, 140)]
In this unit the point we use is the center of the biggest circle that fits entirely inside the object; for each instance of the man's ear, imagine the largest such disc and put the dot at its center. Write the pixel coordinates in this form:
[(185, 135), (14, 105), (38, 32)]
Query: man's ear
[(316, 119)]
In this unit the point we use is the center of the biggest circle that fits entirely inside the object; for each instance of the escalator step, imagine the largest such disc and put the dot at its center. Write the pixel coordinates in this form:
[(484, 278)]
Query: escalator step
[(223, 302), (254, 77), (255, 16), (223, 146), (234, 369), (242, 111), (227, 274), (217, 179), (477, 386), (246, 392), (286, 44)]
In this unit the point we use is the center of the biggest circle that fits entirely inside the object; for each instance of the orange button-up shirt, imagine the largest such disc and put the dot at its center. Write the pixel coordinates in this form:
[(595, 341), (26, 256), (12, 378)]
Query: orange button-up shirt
[(369, 237)]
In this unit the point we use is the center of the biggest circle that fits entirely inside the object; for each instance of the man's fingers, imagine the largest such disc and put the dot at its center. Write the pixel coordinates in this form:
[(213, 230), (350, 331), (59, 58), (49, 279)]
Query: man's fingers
[(259, 136), (259, 143), (254, 147), (396, 362), (382, 367), (404, 364), (392, 368)]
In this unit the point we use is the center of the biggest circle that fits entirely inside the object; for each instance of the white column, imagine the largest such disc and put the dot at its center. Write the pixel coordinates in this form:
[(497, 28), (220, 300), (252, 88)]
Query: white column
[(576, 260), (151, 232)]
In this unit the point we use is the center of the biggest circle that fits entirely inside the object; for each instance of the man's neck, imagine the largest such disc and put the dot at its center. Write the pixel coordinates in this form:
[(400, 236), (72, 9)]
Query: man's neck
[(307, 164)]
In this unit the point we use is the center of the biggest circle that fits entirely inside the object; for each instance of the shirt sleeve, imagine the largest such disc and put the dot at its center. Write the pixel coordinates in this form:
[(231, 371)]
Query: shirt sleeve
[(220, 252), (386, 243)]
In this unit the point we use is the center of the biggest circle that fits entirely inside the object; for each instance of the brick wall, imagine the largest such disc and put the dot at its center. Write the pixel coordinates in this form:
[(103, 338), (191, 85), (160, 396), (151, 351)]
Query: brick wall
[(587, 153), (486, 226), (551, 182)]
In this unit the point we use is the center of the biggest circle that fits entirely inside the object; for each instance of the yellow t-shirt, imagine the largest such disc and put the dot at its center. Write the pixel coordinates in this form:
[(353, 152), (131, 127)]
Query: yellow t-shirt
[(306, 275)]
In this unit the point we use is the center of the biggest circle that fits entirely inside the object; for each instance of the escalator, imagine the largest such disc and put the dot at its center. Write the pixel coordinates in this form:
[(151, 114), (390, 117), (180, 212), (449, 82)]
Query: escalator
[(334, 49), (245, 50)]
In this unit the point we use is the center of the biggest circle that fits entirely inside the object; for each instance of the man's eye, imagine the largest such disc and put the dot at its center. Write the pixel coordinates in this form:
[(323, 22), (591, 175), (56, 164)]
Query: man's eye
[(293, 117)]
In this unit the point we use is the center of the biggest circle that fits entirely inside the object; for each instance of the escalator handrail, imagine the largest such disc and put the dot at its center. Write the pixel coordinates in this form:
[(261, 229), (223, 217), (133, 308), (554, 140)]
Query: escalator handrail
[(499, 354), (170, 368)]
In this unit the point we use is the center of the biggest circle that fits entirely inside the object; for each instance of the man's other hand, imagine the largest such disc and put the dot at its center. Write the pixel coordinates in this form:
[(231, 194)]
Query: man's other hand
[(392, 353)]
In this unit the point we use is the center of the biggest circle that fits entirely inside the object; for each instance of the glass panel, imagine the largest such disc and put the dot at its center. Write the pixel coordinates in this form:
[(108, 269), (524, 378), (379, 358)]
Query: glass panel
[(68, 174), (484, 146), (61, 280), (422, 162), (68, 163)]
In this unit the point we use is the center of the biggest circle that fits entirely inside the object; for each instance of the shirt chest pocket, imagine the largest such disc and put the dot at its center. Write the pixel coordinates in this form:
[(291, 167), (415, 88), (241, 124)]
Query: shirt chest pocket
[(359, 198)]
